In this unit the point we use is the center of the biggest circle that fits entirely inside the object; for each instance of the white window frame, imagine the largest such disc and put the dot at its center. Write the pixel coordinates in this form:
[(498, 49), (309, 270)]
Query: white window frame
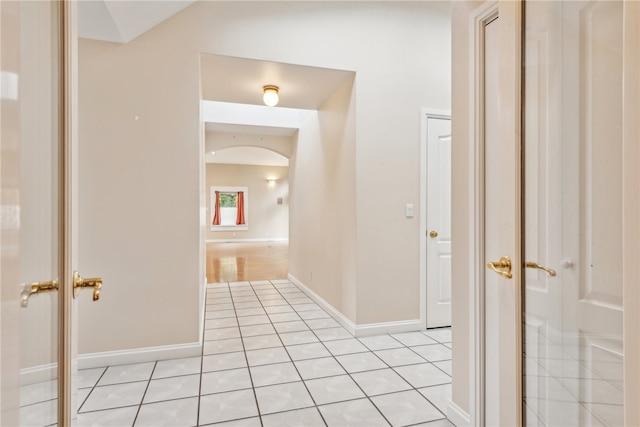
[(234, 227)]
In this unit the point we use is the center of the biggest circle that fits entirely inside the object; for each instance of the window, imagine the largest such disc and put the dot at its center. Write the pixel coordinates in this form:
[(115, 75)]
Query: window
[(229, 208)]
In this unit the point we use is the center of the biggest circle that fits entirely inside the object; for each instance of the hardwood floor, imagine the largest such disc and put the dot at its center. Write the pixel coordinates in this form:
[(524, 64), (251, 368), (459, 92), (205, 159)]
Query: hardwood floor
[(239, 262)]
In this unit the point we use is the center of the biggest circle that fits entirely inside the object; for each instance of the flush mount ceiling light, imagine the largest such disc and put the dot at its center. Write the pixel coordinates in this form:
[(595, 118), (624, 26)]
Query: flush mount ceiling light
[(270, 95)]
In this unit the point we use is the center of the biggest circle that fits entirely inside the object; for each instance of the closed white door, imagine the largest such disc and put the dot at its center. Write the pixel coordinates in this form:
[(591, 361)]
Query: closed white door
[(438, 221), (573, 214)]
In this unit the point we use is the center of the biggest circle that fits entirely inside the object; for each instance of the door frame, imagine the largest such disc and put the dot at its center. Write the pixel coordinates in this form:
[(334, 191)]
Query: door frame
[(510, 381), (68, 221), (425, 115), (631, 210)]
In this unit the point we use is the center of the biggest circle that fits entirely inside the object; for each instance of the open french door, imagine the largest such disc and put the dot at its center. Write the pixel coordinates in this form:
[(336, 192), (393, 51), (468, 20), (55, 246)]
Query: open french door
[(575, 179), (39, 215), (569, 113)]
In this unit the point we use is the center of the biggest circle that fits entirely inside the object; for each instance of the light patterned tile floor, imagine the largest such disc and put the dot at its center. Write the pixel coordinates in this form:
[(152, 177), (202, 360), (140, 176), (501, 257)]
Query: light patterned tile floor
[(272, 357)]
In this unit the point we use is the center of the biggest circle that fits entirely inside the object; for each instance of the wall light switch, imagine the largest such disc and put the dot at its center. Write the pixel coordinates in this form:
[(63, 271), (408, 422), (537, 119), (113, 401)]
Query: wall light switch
[(408, 210)]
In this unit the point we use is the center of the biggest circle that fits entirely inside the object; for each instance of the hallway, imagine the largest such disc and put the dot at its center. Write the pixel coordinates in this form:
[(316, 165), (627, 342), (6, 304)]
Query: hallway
[(273, 357)]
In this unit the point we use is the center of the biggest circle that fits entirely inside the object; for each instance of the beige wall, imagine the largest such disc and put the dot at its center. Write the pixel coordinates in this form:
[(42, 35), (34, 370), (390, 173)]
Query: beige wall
[(141, 203), (323, 212), (139, 194), (266, 219)]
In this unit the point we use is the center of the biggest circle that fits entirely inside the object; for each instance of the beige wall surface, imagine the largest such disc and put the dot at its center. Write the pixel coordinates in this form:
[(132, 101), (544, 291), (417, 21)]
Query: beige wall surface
[(323, 211), (266, 219), (140, 152)]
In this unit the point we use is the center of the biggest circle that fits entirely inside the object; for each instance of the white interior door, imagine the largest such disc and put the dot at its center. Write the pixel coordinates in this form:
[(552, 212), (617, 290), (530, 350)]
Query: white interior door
[(574, 230), (38, 215), (438, 221)]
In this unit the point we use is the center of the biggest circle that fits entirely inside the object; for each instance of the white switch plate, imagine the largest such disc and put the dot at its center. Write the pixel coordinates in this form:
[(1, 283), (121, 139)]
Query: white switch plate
[(408, 210)]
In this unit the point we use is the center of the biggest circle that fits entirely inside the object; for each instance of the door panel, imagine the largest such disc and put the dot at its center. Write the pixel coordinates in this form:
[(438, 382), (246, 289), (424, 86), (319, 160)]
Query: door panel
[(495, 202), (573, 213), (39, 204), (438, 222), (37, 254), (501, 189)]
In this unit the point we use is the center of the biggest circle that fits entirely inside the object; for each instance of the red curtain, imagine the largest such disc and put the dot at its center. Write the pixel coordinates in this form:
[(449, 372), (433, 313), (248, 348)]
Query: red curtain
[(240, 216), (216, 215)]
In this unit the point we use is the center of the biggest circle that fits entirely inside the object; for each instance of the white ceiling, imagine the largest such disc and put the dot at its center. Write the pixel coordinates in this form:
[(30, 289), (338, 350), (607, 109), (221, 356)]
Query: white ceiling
[(122, 21)]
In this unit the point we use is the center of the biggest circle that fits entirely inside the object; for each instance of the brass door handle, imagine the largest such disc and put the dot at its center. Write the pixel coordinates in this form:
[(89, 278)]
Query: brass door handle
[(549, 271), (79, 283), (433, 234), (502, 267), (36, 288)]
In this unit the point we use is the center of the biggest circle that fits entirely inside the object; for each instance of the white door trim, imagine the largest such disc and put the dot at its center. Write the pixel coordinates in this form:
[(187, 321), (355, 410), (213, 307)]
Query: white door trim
[(478, 19), (509, 381), (426, 114), (631, 212)]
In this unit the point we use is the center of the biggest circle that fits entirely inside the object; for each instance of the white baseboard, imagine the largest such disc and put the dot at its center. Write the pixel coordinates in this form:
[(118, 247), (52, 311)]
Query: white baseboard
[(37, 374), (369, 329), (139, 355), (457, 416), (339, 317), (283, 239), (364, 330)]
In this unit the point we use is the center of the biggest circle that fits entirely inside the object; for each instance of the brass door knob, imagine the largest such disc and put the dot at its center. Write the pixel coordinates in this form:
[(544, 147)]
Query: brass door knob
[(36, 288), (433, 234), (79, 283), (502, 267), (549, 271)]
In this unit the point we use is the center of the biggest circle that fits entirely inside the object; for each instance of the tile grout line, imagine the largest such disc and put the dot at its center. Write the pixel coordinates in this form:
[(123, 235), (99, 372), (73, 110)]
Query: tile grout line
[(244, 351), (204, 332), (145, 393), (104, 371)]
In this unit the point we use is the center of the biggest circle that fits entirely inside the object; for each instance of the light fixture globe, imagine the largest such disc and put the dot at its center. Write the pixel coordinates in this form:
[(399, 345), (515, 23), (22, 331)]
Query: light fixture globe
[(270, 95)]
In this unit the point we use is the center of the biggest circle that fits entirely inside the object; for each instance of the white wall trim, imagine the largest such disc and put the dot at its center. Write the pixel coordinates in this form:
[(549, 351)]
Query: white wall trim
[(426, 114), (478, 19), (138, 355), (363, 330), (226, 228), (398, 327), (457, 416), (280, 239), (37, 374)]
